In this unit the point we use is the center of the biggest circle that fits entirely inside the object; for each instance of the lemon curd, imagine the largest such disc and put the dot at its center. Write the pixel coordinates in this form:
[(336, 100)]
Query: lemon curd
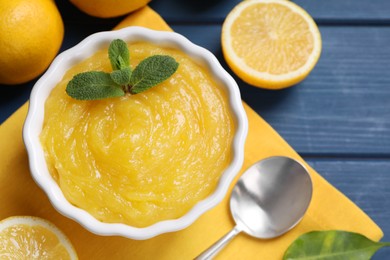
[(142, 158)]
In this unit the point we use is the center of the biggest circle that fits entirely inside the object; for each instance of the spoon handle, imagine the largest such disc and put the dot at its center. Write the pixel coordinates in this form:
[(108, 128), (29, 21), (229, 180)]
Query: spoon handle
[(217, 246)]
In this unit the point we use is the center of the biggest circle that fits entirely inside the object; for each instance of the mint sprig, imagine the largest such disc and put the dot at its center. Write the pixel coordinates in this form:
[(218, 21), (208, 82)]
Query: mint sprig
[(94, 85)]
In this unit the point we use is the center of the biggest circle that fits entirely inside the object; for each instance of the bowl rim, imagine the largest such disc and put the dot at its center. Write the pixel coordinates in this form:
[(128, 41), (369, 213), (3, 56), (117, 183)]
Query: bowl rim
[(34, 121)]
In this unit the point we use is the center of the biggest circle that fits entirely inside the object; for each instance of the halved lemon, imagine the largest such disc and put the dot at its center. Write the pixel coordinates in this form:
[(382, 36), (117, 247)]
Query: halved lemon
[(25, 237), (270, 43)]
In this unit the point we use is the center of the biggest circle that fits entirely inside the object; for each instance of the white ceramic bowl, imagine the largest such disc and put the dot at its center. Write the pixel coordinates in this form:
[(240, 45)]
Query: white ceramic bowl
[(64, 61)]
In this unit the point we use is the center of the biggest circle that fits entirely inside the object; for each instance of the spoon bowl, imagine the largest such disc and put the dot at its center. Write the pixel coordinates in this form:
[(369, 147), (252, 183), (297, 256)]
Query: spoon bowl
[(269, 199)]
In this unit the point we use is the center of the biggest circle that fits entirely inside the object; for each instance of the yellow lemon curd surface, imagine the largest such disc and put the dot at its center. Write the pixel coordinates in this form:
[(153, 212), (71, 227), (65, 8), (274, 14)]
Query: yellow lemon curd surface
[(142, 158)]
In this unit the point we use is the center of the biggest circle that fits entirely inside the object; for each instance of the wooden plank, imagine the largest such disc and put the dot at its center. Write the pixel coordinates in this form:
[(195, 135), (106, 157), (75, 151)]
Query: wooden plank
[(216, 10), (348, 10), (366, 183), (342, 107), (376, 11)]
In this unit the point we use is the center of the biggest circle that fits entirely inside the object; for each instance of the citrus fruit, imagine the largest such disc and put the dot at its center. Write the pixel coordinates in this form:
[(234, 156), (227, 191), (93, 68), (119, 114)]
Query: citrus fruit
[(270, 43), (108, 8), (25, 237), (31, 34)]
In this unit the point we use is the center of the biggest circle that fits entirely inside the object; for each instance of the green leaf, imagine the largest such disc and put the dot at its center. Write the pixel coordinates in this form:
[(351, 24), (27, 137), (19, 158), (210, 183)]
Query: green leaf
[(119, 54), (121, 77), (99, 85), (152, 71), (93, 85), (332, 245)]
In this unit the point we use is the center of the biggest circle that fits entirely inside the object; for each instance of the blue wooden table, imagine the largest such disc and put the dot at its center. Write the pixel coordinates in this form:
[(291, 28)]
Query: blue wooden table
[(338, 119)]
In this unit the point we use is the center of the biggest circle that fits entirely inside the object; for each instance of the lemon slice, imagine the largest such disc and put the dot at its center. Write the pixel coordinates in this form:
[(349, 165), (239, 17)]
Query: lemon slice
[(25, 237), (270, 43)]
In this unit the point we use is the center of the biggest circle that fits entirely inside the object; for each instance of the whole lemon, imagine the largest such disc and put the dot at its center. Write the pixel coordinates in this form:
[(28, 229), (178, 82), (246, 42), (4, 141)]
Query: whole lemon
[(108, 8), (31, 33)]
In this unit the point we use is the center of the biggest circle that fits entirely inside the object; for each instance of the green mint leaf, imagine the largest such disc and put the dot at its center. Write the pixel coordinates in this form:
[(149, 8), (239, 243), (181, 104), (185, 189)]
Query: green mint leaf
[(119, 54), (121, 77), (152, 71), (93, 85), (332, 244)]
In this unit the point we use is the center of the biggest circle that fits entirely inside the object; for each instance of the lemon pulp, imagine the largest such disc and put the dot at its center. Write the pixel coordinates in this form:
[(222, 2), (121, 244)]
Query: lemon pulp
[(143, 158), (27, 237)]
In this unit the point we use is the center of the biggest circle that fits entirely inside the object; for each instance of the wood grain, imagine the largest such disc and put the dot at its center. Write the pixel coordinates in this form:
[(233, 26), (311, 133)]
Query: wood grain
[(366, 182), (338, 118), (329, 11), (342, 107)]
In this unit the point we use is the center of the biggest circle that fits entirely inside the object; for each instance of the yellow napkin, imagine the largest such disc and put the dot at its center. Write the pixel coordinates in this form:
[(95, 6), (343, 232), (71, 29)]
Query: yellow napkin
[(329, 209)]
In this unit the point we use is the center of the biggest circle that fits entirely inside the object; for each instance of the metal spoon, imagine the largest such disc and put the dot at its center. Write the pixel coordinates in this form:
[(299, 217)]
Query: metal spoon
[(268, 200)]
